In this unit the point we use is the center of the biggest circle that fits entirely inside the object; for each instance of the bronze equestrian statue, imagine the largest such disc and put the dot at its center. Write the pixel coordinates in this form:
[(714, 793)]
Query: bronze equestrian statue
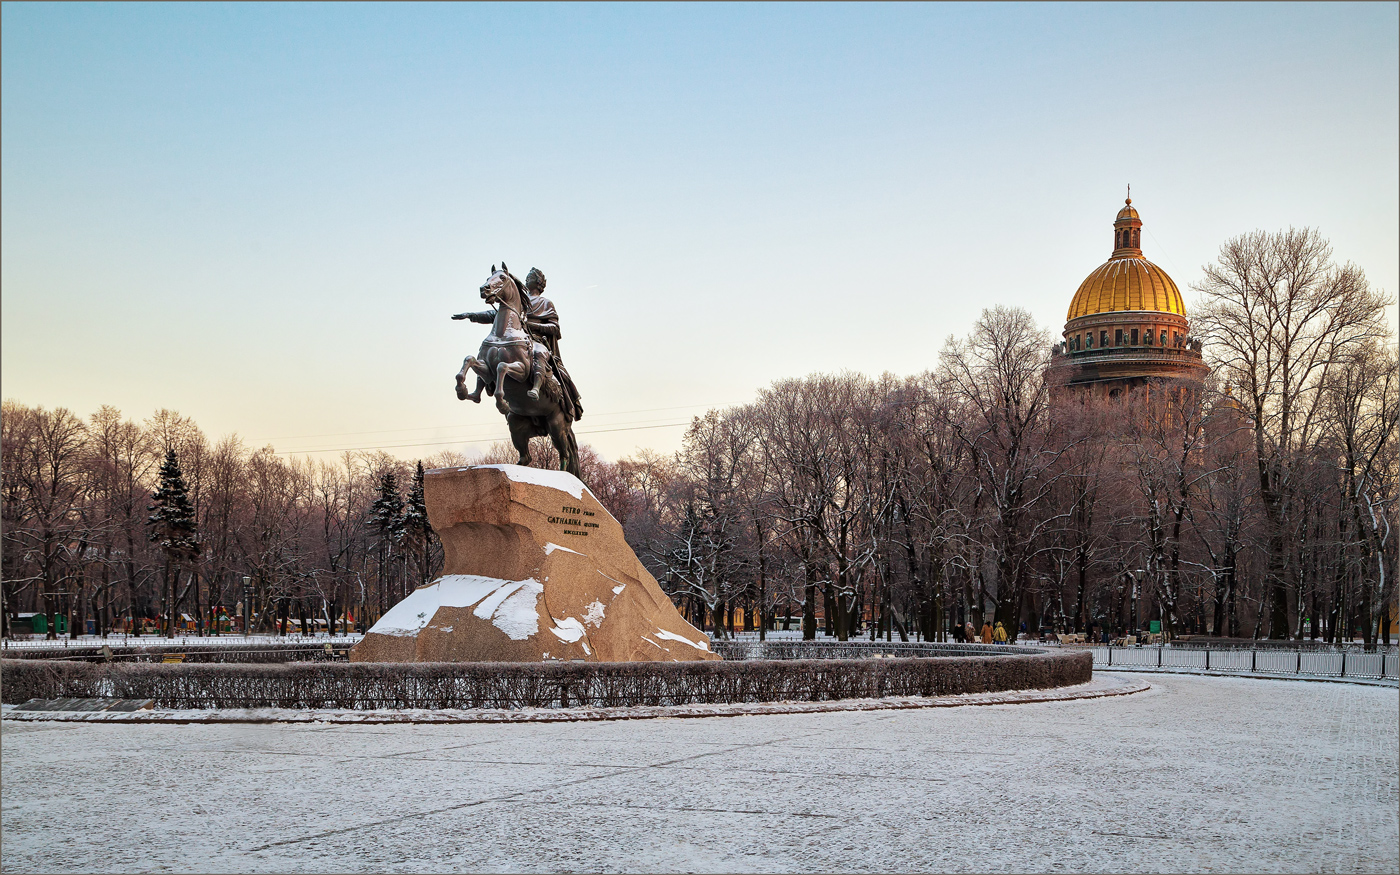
[(519, 365)]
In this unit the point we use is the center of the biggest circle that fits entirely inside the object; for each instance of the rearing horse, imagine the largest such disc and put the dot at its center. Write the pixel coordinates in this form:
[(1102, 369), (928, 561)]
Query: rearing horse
[(502, 368)]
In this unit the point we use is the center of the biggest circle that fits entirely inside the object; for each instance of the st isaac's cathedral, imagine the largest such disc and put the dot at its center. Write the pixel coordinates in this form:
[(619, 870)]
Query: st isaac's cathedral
[(1127, 324)]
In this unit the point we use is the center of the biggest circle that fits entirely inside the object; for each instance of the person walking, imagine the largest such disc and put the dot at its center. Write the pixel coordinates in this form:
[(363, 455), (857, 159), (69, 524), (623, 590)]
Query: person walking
[(999, 634), (986, 631), (969, 635)]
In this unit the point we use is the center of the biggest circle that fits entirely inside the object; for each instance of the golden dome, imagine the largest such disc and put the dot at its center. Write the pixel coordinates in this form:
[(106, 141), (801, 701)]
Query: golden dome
[(1127, 281)]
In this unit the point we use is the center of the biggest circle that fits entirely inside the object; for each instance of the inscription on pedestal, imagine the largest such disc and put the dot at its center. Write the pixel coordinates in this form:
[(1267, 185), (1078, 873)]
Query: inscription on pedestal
[(571, 519)]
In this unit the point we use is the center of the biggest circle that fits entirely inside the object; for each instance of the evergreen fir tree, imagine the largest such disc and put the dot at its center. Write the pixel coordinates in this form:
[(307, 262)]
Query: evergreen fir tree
[(172, 530), (416, 528), (387, 519)]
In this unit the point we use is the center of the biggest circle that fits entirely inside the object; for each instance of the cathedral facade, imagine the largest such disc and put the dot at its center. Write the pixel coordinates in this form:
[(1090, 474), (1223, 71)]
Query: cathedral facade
[(1126, 325)]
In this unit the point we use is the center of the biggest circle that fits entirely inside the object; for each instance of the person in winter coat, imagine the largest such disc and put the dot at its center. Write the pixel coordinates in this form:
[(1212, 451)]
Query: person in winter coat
[(986, 632), (999, 634), (968, 633)]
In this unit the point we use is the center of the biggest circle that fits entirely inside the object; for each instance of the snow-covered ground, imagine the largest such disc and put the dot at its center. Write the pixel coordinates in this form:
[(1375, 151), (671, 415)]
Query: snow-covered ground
[(1196, 774)]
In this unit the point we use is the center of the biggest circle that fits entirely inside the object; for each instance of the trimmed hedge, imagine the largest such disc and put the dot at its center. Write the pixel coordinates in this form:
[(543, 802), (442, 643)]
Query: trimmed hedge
[(25, 679), (367, 686)]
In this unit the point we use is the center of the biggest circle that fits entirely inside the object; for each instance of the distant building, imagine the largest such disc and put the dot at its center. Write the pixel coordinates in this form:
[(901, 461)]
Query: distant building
[(1127, 324)]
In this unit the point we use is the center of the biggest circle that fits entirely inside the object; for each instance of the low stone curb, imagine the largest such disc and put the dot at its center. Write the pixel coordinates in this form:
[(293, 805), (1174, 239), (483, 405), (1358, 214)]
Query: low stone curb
[(1100, 687)]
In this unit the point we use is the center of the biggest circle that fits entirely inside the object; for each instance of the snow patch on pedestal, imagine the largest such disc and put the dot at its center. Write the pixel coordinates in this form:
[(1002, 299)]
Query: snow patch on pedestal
[(561, 480), (594, 615), (551, 547), (568, 629), (517, 612), (510, 605), (672, 636), (500, 594)]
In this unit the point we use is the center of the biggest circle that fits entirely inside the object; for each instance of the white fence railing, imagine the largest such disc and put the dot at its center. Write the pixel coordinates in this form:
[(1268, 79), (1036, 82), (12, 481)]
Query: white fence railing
[(1381, 664), (1347, 661)]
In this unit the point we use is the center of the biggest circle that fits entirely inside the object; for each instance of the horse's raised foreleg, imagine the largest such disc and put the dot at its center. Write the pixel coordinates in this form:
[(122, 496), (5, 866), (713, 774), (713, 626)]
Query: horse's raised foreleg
[(462, 379), (471, 364)]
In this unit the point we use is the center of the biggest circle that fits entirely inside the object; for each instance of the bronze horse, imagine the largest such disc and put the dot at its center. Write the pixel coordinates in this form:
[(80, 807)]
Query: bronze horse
[(502, 368)]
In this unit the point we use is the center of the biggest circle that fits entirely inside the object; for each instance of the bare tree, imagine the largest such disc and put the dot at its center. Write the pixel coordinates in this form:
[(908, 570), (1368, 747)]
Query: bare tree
[(1280, 316), (1360, 398), (225, 510), (120, 463), (46, 449), (703, 525), (926, 519), (998, 375), (1224, 509)]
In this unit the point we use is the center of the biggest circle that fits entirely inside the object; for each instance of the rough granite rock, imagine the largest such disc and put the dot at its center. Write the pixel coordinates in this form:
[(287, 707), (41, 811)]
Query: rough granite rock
[(534, 568)]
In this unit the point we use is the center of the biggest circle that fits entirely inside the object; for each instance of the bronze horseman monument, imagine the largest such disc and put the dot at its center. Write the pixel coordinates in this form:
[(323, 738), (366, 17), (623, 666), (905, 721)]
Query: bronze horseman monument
[(534, 567), (522, 351)]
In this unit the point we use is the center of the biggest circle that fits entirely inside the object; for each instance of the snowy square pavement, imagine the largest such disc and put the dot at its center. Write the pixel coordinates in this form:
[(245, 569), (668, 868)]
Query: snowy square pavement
[(1196, 774)]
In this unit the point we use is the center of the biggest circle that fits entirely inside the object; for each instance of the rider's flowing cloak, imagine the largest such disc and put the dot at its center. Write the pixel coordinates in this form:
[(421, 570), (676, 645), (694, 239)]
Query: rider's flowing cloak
[(541, 309)]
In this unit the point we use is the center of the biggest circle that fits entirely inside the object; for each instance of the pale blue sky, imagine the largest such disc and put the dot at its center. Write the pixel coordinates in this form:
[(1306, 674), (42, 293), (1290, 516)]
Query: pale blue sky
[(262, 215)]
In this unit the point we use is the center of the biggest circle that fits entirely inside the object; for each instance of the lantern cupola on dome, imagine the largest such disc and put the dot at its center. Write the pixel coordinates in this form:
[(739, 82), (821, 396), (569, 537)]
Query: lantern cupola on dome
[(1127, 281), (1127, 232)]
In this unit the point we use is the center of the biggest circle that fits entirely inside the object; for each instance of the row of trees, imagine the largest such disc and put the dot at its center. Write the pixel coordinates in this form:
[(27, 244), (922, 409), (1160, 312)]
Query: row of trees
[(1261, 503), (129, 525)]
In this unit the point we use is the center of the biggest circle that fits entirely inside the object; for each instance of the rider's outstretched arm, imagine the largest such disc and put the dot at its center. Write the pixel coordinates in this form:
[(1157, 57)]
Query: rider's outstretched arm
[(484, 316)]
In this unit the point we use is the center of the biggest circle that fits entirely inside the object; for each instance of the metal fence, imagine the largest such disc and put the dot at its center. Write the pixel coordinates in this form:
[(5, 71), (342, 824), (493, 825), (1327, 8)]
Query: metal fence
[(1379, 664), (63, 642), (213, 648), (1267, 659)]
